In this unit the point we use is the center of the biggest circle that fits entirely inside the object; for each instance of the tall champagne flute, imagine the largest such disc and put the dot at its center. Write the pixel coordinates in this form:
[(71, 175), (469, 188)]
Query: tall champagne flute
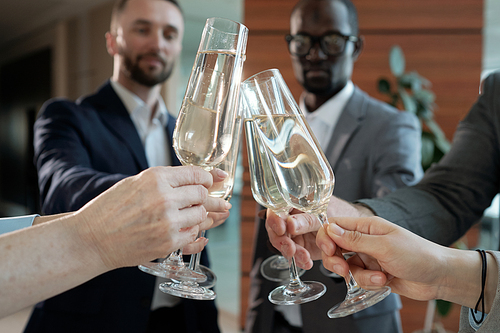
[(206, 122), (267, 192), (192, 289), (304, 175)]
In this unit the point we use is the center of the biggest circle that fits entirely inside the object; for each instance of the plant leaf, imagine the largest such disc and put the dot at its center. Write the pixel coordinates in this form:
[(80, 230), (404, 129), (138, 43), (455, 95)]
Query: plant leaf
[(384, 86), (397, 61), (409, 104), (427, 150)]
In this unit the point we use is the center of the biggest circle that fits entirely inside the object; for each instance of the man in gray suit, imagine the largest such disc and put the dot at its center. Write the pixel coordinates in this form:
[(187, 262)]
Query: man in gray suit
[(373, 149)]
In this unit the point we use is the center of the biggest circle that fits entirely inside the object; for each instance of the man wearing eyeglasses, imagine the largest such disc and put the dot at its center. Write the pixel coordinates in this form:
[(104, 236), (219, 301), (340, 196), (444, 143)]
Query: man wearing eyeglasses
[(373, 149)]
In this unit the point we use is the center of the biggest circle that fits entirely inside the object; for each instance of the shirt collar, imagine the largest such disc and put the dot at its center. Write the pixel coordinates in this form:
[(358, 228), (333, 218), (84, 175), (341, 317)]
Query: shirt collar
[(336, 103), (136, 106)]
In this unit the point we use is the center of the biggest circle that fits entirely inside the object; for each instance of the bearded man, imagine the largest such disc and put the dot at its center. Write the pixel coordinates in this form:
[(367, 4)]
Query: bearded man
[(82, 148)]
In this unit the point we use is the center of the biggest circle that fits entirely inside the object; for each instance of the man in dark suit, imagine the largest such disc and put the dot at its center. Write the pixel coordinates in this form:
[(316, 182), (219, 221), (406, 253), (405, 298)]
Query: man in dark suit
[(372, 148), (84, 147)]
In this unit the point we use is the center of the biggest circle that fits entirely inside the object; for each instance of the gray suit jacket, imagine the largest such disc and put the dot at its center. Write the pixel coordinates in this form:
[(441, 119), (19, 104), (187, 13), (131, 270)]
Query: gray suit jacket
[(454, 193), (373, 150)]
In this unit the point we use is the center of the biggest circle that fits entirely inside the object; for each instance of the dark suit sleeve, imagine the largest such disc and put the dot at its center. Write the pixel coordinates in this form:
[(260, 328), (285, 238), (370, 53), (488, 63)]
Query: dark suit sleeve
[(67, 179), (396, 154), (454, 193)]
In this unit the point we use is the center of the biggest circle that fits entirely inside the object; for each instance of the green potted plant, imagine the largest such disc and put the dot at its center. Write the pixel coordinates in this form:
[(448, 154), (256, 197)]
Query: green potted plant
[(412, 93)]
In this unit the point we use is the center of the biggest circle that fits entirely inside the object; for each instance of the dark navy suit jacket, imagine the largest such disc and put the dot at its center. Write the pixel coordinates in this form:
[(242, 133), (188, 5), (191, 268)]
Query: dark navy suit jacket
[(81, 149)]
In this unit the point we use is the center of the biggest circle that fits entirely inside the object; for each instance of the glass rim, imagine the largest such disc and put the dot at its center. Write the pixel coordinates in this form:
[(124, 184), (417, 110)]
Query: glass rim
[(240, 26), (272, 73)]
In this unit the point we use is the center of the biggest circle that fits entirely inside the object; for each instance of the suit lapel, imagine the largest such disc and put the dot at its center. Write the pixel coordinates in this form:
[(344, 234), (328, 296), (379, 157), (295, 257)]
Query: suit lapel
[(349, 121), (116, 117)]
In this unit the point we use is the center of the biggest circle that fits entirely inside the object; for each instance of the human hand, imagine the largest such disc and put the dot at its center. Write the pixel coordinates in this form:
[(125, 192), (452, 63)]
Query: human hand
[(296, 236), (217, 208), (386, 255), (147, 216), (294, 240)]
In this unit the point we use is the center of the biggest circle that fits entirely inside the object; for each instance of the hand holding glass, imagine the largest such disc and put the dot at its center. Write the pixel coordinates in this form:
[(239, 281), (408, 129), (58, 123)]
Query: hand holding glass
[(303, 175)]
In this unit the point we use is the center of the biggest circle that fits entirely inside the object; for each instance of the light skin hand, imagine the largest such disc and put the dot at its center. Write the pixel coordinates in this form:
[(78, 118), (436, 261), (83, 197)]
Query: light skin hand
[(217, 208), (138, 219), (218, 212), (296, 236), (167, 201), (410, 265)]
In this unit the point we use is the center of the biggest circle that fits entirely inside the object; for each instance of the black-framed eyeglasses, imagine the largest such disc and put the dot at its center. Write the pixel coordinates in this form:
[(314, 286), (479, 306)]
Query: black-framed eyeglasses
[(331, 43)]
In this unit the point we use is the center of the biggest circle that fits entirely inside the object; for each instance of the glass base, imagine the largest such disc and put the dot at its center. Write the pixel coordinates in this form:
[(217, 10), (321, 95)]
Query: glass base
[(358, 301), (288, 295), (211, 278), (187, 289), (175, 272), (276, 268)]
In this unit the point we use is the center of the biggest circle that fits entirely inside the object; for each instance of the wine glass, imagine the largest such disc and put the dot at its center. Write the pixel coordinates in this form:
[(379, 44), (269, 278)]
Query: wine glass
[(206, 121), (206, 124), (303, 174), (266, 191), (224, 190)]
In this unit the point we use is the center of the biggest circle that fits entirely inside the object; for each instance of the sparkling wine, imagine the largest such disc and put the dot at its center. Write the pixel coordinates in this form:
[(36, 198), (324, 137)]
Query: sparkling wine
[(305, 178), (206, 119), (264, 188), (225, 189)]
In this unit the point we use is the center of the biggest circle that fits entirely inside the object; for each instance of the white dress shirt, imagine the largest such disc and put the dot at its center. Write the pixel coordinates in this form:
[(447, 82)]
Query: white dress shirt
[(324, 119), (154, 137), (152, 132)]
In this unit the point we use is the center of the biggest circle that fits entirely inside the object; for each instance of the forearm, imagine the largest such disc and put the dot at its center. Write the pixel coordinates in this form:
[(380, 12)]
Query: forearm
[(462, 281), (42, 261)]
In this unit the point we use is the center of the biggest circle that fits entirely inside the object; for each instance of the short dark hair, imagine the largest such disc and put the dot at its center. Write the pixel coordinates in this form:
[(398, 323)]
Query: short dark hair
[(119, 6), (351, 9)]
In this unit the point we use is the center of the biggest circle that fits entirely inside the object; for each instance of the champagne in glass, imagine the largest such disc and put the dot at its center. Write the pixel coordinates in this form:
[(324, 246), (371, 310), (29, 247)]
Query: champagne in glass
[(304, 175), (221, 190), (206, 123), (267, 192)]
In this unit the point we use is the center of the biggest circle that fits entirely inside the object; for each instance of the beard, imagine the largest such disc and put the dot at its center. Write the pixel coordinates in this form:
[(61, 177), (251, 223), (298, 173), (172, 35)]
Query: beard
[(148, 78)]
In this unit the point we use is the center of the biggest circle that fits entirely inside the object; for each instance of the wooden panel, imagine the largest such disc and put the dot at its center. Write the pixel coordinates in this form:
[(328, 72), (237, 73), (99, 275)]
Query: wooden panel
[(245, 289), (379, 15), (419, 14), (247, 240), (451, 63)]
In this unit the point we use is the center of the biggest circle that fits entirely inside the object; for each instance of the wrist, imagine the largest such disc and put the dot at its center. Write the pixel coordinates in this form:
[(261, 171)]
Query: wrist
[(86, 239), (460, 277), (364, 210)]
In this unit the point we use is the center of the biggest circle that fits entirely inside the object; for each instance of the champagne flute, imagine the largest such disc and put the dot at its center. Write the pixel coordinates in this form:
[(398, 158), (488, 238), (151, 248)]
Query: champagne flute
[(206, 122), (224, 190), (305, 176), (267, 192)]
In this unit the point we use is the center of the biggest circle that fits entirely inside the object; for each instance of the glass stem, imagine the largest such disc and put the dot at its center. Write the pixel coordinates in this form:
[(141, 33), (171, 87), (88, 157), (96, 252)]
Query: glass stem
[(323, 219), (295, 281), (175, 258), (352, 285), (195, 258)]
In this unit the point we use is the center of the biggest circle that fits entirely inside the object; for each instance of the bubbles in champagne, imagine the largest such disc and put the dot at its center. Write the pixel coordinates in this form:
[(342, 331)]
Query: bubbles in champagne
[(206, 121)]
